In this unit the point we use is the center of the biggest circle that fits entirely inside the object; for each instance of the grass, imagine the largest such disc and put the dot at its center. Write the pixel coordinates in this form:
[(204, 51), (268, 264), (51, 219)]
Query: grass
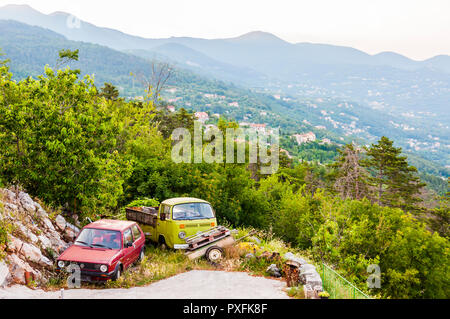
[(157, 265), (296, 292)]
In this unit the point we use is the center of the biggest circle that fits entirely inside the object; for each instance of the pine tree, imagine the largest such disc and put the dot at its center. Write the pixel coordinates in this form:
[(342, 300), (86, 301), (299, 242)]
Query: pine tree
[(397, 183)]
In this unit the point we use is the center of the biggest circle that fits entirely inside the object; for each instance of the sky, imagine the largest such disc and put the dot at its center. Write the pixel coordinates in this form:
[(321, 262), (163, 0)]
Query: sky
[(418, 29)]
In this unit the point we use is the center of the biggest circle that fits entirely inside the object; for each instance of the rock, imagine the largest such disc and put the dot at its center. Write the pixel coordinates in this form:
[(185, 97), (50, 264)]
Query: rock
[(313, 279), (274, 271), (4, 274), (27, 233), (249, 256), (309, 292), (48, 224), (11, 207), (17, 269), (27, 202), (14, 244), (32, 253), (294, 260), (60, 222), (70, 235), (45, 242), (41, 213)]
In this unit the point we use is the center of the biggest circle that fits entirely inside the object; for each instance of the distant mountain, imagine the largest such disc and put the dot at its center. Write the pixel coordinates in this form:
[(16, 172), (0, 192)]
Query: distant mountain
[(389, 94), (200, 63), (259, 50)]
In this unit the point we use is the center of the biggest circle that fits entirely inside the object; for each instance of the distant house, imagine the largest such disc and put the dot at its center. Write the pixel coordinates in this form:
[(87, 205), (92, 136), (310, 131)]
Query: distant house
[(282, 150), (326, 141), (202, 116), (305, 138), (171, 108), (236, 104), (259, 127)]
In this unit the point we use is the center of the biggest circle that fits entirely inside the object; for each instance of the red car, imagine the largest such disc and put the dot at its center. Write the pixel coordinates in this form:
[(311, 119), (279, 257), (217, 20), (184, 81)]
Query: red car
[(104, 249)]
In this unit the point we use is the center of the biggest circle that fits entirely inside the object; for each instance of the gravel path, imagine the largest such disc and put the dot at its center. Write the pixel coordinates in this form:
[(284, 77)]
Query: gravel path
[(196, 284)]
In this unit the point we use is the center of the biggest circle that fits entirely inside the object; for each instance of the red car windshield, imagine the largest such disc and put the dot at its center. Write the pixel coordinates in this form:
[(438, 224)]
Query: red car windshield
[(99, 238)]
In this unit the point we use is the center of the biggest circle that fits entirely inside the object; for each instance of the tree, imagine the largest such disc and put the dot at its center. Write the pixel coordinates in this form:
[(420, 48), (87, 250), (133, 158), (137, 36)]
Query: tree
[(66, 56), (396, 182), (155, 83), (351, 180), (109, 92)]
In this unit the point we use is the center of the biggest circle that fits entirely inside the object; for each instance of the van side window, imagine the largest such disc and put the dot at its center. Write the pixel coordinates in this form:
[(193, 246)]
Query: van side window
[(136, 233), (127, 237)]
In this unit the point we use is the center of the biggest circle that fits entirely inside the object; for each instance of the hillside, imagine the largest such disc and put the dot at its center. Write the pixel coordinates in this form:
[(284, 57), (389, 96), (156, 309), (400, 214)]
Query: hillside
[(294, 113)]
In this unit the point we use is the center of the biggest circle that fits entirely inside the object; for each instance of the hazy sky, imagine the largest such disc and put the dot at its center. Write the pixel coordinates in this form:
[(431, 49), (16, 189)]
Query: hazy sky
[(418, 29)]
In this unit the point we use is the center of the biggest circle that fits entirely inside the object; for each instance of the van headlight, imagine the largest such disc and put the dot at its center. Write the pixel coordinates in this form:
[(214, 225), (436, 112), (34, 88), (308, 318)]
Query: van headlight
[(182, 235), (103, 268), (61, 263)]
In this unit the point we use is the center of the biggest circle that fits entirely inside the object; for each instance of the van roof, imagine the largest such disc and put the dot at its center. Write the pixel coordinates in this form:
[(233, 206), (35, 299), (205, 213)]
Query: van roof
[(183, 200), (111, 224)]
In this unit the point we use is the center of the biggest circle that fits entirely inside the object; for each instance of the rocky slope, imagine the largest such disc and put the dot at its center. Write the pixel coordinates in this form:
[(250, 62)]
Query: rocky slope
[(31, 239)]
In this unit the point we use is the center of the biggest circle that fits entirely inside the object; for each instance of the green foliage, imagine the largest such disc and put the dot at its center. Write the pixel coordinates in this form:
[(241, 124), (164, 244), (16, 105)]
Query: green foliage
[(141, 202), (397, 184)]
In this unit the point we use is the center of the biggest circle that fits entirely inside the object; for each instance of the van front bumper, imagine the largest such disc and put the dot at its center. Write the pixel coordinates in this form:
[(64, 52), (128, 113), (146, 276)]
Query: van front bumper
[(180, 246)]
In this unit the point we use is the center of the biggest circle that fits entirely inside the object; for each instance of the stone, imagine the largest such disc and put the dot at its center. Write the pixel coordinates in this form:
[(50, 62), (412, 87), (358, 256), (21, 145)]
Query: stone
[(295, 260), (32, 253), (27, 233), (41, 213), (14, 244), (17, 269), (274, 271), (250, 256), (313, 279), (48, 224), (70, 235), (45, 242), (11, 207), (60, 222), (4, 274), (27, 202), (309, 292)]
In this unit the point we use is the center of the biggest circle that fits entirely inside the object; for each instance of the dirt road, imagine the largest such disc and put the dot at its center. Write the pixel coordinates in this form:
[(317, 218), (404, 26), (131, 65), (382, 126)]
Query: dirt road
[(197, 284)]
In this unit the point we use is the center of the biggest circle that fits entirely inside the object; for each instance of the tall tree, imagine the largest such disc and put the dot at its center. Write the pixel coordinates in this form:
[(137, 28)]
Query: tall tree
[(351, 180), (396, 182)]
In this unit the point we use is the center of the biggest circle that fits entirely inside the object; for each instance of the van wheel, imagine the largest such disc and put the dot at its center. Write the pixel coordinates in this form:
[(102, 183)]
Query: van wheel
[(162, 243), (214, 254)]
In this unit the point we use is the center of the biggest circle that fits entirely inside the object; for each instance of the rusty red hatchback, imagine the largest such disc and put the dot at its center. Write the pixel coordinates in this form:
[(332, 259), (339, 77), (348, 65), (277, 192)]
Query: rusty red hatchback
[(105, 249)]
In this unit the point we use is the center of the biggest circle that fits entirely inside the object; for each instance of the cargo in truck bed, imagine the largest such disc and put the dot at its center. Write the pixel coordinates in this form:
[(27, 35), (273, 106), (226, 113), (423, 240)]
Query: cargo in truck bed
[(143, 215)]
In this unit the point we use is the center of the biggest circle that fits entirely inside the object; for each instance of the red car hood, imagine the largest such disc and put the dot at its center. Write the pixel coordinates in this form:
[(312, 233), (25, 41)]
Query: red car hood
[(88, 255)]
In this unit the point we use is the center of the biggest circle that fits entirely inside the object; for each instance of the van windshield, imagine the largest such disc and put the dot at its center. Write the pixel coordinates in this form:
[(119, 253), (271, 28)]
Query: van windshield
[(192, 211), (99, 238)]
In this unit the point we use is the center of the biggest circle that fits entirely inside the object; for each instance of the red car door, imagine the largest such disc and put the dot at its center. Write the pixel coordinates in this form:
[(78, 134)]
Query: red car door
[(128, 248), (138, 241)]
